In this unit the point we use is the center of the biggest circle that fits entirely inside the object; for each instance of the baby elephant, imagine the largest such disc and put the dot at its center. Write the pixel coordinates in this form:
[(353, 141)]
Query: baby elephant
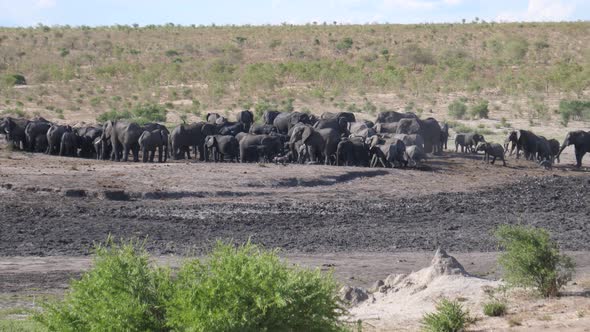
[(150, 141), (494, 150)]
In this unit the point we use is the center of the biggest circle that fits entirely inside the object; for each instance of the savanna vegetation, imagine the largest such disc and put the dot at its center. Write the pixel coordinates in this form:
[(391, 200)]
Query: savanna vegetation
[(192, 69)]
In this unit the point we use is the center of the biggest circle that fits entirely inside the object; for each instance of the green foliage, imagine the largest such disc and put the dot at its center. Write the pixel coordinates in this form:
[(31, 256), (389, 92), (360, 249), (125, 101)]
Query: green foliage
[(10, 325), (141, 114), (250, 289), (494, 308), (457, 109), (448, 317), (574, 109), (480, 110), (345, 44), (532, 259), (122, 292), (13, 79)]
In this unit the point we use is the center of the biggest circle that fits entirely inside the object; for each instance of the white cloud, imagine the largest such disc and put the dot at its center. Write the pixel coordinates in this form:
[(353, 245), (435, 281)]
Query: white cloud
[(541, 10), (419, 4), (45, 3)]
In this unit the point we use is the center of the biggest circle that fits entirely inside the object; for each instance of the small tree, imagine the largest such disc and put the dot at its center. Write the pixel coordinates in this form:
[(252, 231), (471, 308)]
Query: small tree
[(532, 259), (457, 109), (480, 110), (448, 317)]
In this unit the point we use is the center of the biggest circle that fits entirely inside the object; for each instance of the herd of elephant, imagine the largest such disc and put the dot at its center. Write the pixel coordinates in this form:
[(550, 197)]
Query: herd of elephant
[(394, 140)]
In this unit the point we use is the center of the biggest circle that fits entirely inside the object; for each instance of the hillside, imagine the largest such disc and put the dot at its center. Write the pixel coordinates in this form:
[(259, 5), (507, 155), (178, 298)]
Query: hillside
[(75, 74)]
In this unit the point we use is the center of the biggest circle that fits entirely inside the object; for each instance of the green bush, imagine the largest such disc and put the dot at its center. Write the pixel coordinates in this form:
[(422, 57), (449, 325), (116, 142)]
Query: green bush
[(532, 259), (13, 79), (149, 113), (113, 115), (250, 289), (345, 44), (448, 317), (457, 109), (480, 110), (494, 308), (574, 109), (122, 292)]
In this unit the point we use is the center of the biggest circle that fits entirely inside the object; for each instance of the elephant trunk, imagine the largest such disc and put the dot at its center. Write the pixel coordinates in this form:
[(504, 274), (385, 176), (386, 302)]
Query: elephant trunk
[(563, 146)]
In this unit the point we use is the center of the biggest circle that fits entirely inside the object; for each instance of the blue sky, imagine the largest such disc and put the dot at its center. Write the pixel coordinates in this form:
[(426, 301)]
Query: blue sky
[(186, 12)]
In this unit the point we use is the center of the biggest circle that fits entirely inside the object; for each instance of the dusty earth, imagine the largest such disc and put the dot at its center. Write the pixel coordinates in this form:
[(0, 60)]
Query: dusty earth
[(363, 223)]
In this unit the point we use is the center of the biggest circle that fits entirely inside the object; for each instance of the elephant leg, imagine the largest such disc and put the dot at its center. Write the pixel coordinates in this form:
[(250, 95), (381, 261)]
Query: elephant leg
[(160, 151), (494, 160), (144, 154), (152, 155), (579, 156), (125, 153), (201, 153)]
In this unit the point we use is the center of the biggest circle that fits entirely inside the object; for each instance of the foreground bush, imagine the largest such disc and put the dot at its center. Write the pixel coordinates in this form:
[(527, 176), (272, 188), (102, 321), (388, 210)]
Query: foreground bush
[(532, 259), (122, 292), (448, 317), (249, 289)]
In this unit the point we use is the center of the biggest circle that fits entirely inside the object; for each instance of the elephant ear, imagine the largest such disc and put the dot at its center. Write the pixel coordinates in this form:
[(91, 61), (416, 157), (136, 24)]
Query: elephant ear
[(307, 131)]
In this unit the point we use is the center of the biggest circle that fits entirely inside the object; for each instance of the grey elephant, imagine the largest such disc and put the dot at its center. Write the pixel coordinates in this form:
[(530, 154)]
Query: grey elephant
[(246, 117), (185, 137), (523, 140), (387, 152), (221, 146), (544, 150), (285, 121), (98, 148), (212, 118), (269, 117), (253, 148), (345, 153), (262, 129), (348, 116), (360, 129), (124, 138), (493, 150), (468, 141), (14, 131), (34, 129), (444, 136), (428, 128), (322, 143), (87, 135), (409, 140), (339, 124), (393, 116), (231, 128), (414, 155), (581, 141), (54, 136), (40, 144), (150, 141), (554, 146), (69, 144), (386, 127)]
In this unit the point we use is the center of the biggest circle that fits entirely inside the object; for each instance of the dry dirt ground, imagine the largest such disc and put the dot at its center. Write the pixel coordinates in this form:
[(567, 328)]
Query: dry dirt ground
[(364, 223)]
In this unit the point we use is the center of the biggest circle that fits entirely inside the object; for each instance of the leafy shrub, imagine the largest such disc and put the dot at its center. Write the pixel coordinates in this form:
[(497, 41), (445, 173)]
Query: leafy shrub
[(122, 292), (113, 115), (13, 79), (149, 113), (457, 109), (532, 259), (345, 44), (448, 317), (250, 289), (480, 110), (573, 109), (494, 308)]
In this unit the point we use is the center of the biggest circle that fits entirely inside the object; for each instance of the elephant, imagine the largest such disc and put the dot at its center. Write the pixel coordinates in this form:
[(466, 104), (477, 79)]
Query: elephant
[(544, 150), (220, 146), (369, 123), (393, 116), (429, 129), (262, 129), (468, 142), (349, 116), (414, 155), (269, 117), (213, 117), (124, 137), (410, 140), (54, 136), (494, 150), (554, 146), (14, 130), (255, 147), (184, 137), (86, 137), (231, 128), (386, 128), (34, 129), (246, 117), (98, 148), (337, 123), (444, 136), (322, 143), (388, 152), (581, 141), (360, 129), (150, 141), (40, 144), (285, 121), (524, 140), (352, 151), (68, 144)]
